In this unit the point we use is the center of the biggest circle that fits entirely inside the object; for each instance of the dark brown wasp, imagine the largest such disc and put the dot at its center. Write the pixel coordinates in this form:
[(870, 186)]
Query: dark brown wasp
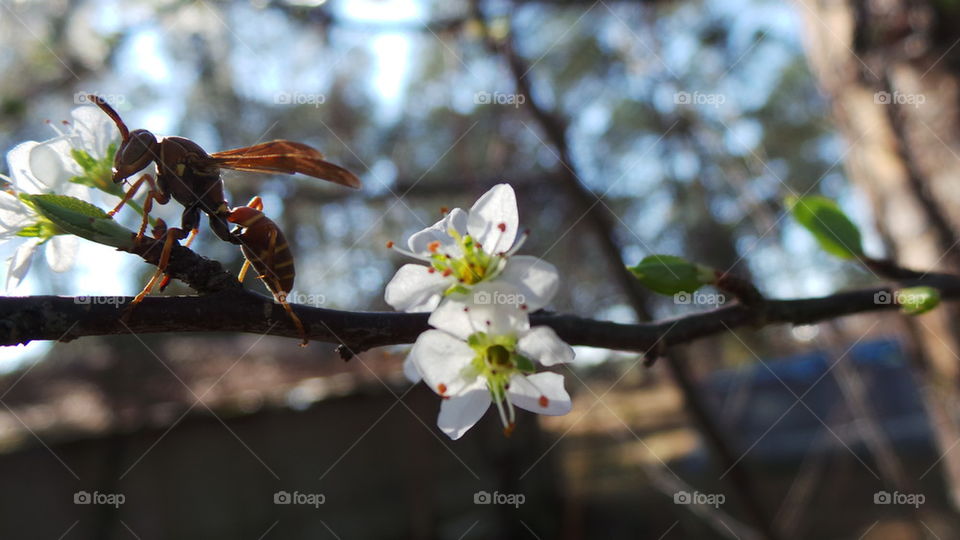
[(191, 176)]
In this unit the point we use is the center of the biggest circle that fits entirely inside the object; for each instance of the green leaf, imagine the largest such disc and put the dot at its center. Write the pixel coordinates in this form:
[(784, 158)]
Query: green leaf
[(81, 218), (917, 300), (834, 231), (669, 275)]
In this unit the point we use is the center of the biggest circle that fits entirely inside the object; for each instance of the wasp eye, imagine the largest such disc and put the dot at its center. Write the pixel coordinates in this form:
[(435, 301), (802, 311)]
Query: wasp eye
[(134, 154)]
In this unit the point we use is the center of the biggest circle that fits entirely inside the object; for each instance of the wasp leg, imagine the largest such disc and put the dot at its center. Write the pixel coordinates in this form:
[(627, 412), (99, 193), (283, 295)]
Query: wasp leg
[(172, 236), (243, 270), (256, 203), (129, 194), (293, 316), (153, 194), (190, 238)]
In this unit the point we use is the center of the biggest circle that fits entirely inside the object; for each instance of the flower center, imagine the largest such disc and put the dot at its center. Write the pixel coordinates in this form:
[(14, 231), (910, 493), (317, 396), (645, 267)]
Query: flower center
[(497, 361), (472, 267)]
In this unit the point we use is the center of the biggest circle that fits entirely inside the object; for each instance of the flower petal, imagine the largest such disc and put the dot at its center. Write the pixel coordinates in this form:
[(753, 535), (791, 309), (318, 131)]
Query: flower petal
[(93, 131), (14, 215), (493, 219), (463, 318), (535, 279), (410, 370), (61, 252), (20, 262), (18, 161), (542, 344), (542, 393), (48, 164), (459, 414), (420, 242), (444, 362), (415, 288)]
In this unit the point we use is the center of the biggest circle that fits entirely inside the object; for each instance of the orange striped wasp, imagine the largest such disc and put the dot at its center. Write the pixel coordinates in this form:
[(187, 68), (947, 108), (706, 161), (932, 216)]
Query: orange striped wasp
[(191, 176)]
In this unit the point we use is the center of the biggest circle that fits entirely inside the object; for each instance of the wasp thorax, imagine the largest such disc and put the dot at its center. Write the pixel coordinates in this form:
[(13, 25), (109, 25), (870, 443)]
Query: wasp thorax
[(134, 154)]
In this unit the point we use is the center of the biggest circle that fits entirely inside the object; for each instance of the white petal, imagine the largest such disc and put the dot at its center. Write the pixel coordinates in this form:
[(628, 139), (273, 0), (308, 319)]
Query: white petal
[(415, 288), (14, 215), (444, 362), (48, 164), (536, 279), (20, 263), (456, 219), (61, 252), (459, 414), (543, 345), (18, 161), (542, 393), (463, 318), (94, 129), (493, 219), (410, 371)]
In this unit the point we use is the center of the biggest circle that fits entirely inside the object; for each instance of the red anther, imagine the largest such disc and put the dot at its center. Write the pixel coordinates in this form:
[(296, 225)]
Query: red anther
[(442, 388), (431, 270), (502, 226), (447, 272), (544, 401), (444, 210), (390, 245), (523, 307), (433, 246)]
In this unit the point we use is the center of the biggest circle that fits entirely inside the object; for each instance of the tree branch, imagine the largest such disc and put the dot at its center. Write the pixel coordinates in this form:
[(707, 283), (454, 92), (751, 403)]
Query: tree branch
[(233, 309)]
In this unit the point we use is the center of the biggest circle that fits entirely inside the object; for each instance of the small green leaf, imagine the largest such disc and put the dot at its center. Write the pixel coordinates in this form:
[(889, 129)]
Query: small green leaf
[(918, 300), (81, 218), (834, 231), (669, 275)]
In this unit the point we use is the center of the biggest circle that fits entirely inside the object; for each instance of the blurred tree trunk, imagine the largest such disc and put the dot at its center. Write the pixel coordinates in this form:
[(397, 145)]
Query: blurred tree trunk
[(892, 70)]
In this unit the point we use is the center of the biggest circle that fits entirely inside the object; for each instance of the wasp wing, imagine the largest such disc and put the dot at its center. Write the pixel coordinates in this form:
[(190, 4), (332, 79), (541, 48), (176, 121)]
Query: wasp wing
[(285, 157)]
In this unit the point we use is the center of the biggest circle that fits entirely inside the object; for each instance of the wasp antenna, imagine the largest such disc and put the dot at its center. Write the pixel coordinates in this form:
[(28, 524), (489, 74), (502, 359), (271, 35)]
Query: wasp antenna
[(105, 107)]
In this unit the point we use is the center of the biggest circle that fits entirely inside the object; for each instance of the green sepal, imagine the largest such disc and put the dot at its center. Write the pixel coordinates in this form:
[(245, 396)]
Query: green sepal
[(524, 364)]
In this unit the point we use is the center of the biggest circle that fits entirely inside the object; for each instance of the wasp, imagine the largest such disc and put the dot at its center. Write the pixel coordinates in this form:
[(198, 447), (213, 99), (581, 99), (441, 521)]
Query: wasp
[(189, 175)]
